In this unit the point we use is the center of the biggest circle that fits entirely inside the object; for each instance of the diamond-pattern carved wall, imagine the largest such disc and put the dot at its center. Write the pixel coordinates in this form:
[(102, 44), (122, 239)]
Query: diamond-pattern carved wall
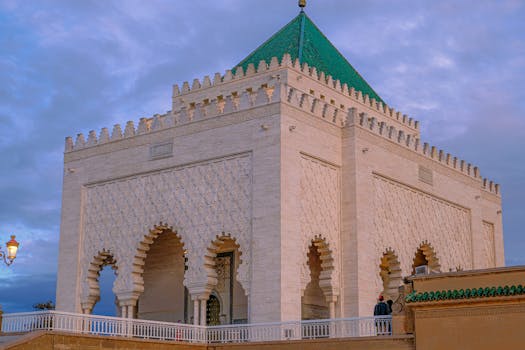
[(320, 197), (200, 201), (405, 217), (488, 245)]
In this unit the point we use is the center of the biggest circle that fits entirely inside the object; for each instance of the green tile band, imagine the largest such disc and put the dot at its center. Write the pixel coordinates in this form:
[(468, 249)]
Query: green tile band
[(468, 293)]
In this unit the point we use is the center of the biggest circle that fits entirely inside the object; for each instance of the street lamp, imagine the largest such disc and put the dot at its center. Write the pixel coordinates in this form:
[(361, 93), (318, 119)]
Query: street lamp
[(12, 247)]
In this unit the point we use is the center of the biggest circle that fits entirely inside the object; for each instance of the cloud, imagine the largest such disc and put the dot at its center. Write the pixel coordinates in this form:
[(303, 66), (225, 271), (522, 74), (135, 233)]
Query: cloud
[(72, 66)]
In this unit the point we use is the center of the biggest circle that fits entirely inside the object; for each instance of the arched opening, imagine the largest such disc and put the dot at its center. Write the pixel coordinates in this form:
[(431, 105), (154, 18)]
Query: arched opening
[(164, 297), (107, 305), (228, 297), (390, 272), (313, 301), (101, 275), (425, 257)]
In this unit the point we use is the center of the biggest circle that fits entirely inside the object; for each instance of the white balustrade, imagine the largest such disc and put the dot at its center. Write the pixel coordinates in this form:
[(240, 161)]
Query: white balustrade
[(236, 333)]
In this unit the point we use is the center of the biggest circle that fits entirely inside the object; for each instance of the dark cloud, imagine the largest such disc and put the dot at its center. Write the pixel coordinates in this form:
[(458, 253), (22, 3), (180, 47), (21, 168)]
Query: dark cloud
[(73, 66)]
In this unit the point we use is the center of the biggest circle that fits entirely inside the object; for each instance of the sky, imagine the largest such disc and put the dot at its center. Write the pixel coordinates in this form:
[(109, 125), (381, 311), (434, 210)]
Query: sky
[(73, 66)]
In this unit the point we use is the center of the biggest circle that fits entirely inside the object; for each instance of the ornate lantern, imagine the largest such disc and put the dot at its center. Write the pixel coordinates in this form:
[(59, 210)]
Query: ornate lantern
[(12, 248)]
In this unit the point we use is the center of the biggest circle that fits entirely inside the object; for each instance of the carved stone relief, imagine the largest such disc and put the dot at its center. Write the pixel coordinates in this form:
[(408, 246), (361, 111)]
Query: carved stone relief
[(404, 217), (488, 244), (200, 200), (320, 212)]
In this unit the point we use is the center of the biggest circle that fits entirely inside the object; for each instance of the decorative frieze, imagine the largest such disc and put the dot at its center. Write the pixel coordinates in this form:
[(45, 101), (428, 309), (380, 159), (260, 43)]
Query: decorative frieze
[(405, 217), (200, 201), (320, 197)]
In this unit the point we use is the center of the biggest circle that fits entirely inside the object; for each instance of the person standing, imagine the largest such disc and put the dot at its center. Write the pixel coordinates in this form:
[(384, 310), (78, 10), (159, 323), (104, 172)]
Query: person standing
[(381, 309)]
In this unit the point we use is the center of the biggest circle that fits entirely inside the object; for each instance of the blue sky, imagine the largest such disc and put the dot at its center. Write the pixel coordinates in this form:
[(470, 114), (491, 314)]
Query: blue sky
[(73, 66)]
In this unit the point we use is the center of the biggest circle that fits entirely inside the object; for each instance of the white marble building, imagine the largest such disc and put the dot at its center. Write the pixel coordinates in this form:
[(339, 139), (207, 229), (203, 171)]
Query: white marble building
[(286, 189)]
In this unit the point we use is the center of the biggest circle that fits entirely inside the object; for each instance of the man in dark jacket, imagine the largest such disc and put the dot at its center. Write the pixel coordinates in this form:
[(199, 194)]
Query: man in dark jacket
[(381, 307), (382, 324)]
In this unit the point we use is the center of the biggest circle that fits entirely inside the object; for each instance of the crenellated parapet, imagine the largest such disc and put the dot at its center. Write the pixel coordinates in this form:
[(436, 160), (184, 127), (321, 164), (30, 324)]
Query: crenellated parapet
[(490, 186), (399, 137), (315, 106), (282, 81), (193, 113), (234, 80), (232, 92)]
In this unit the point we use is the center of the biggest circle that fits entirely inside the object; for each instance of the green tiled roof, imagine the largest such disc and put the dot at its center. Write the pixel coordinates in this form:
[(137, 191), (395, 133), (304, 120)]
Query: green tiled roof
[(468, 293), (302, 39)]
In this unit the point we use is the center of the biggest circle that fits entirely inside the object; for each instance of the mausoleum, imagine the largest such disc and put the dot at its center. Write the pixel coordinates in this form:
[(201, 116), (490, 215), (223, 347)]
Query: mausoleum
[(283, 189)]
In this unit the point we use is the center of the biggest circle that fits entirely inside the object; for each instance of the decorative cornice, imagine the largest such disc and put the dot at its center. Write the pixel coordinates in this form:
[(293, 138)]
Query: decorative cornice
[(467, 293)]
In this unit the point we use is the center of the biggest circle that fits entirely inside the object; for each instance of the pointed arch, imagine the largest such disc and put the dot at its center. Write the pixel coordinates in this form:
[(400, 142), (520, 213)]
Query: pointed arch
[(426, 255), (218, 244), (143, 247), (99, 261), (159, 271), (319, 293), (326, 277), (327, 265), (390, 273), (222, 262)]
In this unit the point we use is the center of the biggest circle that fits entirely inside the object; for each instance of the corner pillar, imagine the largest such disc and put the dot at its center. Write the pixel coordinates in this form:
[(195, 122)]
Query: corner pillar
[(123, 311), (331, 300), (202, 317), (196, 311), (331, 295), (127, 302), (200, 295)]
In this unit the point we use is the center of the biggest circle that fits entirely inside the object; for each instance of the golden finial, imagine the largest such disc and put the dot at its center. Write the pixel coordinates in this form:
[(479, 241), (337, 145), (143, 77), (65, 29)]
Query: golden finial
[(302, 4)]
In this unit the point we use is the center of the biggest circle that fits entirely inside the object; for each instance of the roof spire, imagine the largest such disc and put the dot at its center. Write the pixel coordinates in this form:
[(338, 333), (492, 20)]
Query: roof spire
[(302, 4), (302, 40)]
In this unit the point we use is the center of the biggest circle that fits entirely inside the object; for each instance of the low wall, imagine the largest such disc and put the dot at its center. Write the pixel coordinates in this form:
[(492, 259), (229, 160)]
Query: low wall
[(364, 343), (66, 341), (63, 341), (482, 309), (471, 326)]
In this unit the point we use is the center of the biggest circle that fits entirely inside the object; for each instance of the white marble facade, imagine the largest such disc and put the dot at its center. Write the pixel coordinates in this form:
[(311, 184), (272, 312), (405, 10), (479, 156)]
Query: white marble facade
[(320, 193)]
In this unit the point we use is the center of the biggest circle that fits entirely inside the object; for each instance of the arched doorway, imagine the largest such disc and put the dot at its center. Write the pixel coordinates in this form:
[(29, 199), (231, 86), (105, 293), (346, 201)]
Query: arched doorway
[(225, 258), (390, 273), (164, 296), (213, 311), (426, 256), (313, 301)]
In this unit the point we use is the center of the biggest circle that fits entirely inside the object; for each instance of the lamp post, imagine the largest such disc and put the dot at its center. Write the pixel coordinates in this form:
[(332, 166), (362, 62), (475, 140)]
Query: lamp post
[(12, 247)]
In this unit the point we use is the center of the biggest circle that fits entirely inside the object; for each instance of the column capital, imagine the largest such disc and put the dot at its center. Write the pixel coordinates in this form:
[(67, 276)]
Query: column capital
[(128, 298), (331, 298), (89, 303), (199, 292), (200, 295)]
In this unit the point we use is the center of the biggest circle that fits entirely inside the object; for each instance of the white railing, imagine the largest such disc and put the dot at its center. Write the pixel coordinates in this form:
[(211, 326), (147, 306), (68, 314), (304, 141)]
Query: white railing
[(125, 327)]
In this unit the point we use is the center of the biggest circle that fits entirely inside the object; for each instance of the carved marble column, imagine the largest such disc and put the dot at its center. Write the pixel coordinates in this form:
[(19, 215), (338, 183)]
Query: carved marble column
[(127, 302), (196, 311)]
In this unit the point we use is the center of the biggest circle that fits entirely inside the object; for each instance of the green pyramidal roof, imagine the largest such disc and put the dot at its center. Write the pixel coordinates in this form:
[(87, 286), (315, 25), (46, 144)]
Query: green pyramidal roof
[(302, 39)]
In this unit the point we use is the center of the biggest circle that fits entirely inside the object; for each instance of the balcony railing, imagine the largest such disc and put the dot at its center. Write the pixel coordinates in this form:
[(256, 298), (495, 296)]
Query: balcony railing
[(126, 327)]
